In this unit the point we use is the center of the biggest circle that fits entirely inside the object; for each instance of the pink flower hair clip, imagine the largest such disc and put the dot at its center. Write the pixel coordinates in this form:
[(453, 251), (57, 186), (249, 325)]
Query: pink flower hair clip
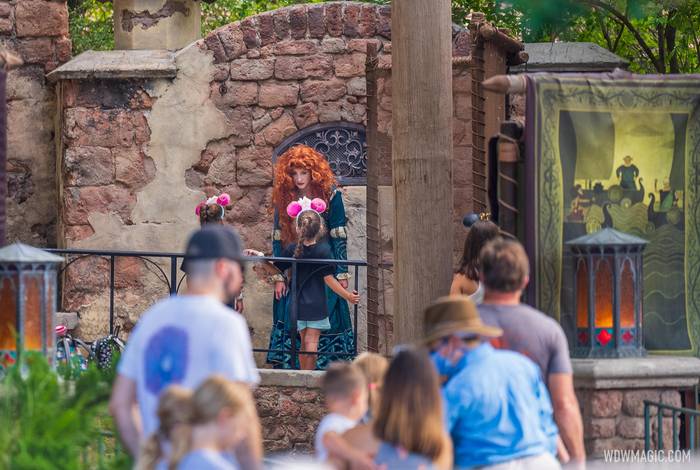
[(223, 200), (305, 204)]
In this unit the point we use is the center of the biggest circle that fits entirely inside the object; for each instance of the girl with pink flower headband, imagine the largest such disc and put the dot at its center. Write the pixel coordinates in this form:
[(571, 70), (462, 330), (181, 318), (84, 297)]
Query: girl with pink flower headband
[(312, 279), (213, 209)]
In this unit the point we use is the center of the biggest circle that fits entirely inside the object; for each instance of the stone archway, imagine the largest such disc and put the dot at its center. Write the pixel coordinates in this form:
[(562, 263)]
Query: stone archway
[(344, 144)]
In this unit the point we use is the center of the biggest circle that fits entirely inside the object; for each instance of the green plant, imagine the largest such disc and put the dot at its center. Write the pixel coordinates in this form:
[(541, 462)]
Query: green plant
[(91, 26), (48, 422)]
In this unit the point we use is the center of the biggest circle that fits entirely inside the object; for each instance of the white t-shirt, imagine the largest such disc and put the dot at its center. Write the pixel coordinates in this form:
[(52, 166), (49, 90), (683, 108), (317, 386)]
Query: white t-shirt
[(333, 422), (184, 340)]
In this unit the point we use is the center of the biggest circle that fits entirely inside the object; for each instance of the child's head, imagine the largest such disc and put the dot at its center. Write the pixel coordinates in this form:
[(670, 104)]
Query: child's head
[(345, 390), (310, 228), (174, 416), (373, 366), (223, 407), (479, 234)]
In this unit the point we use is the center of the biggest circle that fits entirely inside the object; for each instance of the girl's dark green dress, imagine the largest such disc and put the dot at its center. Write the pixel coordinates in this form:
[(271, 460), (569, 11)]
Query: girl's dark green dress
[(340, 339)]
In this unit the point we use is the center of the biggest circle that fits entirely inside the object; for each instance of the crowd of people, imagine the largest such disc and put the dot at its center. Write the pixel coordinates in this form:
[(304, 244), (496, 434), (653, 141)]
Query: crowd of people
[(488, 386)]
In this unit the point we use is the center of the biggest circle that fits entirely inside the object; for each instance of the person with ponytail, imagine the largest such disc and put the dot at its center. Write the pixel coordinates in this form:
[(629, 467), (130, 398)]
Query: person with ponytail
[(301, 171), (312, 311), (466, 279), (200, 428)]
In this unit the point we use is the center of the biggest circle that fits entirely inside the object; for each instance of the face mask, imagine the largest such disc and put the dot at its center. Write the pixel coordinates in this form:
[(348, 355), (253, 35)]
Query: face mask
[(445, 366)]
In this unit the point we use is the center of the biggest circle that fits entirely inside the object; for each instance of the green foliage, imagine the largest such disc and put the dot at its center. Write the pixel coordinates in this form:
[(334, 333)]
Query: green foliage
[(223, 12), (47, 422), (91, 26)]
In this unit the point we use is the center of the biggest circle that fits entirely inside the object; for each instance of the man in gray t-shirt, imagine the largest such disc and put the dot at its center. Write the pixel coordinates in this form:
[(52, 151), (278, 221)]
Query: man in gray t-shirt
[(504, 275)]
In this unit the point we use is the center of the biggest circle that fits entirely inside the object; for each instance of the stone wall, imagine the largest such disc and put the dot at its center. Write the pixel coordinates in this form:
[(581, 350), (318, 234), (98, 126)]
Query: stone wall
[(290, 405), (37, 31)]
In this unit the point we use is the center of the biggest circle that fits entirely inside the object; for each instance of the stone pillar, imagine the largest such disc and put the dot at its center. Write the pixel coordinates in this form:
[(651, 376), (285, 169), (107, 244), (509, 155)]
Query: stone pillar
[(421, 158), (611, 394), (156, 24)]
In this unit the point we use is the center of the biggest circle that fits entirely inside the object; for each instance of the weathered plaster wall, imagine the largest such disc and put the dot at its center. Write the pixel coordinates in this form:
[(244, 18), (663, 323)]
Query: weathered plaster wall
[(37, 31), (156, 24)]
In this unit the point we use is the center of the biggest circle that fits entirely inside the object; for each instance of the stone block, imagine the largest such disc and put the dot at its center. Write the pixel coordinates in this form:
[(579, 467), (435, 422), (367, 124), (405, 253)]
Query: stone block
[(232, 42), (595, 448), (279, 129), (41, 18), (254, 166), (298, 22), (288, 407), (222, 171), (333, 45), (127, 272), (667, 433), (670, 397), (234, 93), (296, 47), (322, 90), (133, 168), (75, 233), (250, 34), (599, 427), (357, 86), (384, 22), (281, 22), (360, 45), (64, 49), (80, 202), (462, 44), (261, 122), (630, 427), (274, 94), (35, 51), (315, 15), (88, 166), (305, 396), (266, 29), (367, 22), (605, 403), (350, 65), (633, 401), (5, 10), (240, 124), (351, 27), (6, 26), (67, 319), (214, 45), (301, 67), (105, 128), (329, 112), (252, 69), (305, 115), (334, 19)]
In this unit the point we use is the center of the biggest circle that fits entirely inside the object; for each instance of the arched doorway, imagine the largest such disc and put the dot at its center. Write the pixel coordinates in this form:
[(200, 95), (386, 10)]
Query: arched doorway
[(344, 144)]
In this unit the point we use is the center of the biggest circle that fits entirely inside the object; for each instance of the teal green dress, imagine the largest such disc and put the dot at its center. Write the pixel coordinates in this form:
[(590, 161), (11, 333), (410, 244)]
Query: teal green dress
[(339, 339)]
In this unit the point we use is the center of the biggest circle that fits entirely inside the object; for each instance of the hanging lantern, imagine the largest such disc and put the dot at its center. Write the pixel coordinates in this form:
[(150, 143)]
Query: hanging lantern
[(608, 294), (27, 301)]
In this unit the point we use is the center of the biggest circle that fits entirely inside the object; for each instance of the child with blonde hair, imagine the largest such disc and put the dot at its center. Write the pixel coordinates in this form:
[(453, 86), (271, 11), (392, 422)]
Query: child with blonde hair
[(202, 427), (373, 366)]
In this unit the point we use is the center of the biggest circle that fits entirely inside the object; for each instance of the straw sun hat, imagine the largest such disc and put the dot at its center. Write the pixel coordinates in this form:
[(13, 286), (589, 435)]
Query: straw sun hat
[(452, 315)]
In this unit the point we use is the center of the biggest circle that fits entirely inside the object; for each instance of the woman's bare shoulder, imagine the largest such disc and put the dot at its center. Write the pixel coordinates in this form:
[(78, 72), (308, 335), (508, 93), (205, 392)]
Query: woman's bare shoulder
[(461, 284)]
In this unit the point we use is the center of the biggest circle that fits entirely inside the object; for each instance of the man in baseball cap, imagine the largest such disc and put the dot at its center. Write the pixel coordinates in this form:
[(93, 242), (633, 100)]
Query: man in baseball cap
[(497, 407), (187, 338)]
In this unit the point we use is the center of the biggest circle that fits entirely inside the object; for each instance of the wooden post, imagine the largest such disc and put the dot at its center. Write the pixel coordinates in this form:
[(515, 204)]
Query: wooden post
[(421, 159)]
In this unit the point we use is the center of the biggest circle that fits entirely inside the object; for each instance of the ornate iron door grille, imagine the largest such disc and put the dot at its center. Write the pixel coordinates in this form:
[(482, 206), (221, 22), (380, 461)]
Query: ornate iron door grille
[(343, 144)]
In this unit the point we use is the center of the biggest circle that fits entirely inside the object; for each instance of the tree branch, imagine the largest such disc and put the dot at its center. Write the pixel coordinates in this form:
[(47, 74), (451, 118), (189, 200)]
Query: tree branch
[(624, 20)]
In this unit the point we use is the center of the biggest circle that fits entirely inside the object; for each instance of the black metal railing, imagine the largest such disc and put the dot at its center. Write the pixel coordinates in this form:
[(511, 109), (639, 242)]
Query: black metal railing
[(174, 281), (686, 416)]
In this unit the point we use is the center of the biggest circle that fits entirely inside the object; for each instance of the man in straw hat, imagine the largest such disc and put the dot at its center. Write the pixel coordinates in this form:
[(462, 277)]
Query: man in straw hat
[(496, 406)]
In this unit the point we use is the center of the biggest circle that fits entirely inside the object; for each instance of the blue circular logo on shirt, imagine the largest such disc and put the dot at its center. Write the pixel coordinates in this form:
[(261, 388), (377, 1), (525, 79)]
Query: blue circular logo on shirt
[(166, 359)]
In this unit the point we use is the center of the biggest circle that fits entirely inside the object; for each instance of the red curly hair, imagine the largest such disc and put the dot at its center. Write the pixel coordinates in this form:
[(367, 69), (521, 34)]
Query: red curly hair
[(285, 191)]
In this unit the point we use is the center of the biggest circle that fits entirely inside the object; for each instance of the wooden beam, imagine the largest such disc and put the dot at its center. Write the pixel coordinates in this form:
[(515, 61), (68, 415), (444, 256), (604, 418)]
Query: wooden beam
[(421, 159)]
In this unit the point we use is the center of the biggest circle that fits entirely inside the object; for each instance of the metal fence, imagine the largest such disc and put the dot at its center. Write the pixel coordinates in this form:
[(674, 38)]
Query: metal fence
[(173, 281), (683, 419)]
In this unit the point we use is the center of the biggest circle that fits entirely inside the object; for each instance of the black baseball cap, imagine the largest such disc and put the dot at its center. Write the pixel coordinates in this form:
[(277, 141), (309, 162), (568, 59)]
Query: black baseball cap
[(214, 242)]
